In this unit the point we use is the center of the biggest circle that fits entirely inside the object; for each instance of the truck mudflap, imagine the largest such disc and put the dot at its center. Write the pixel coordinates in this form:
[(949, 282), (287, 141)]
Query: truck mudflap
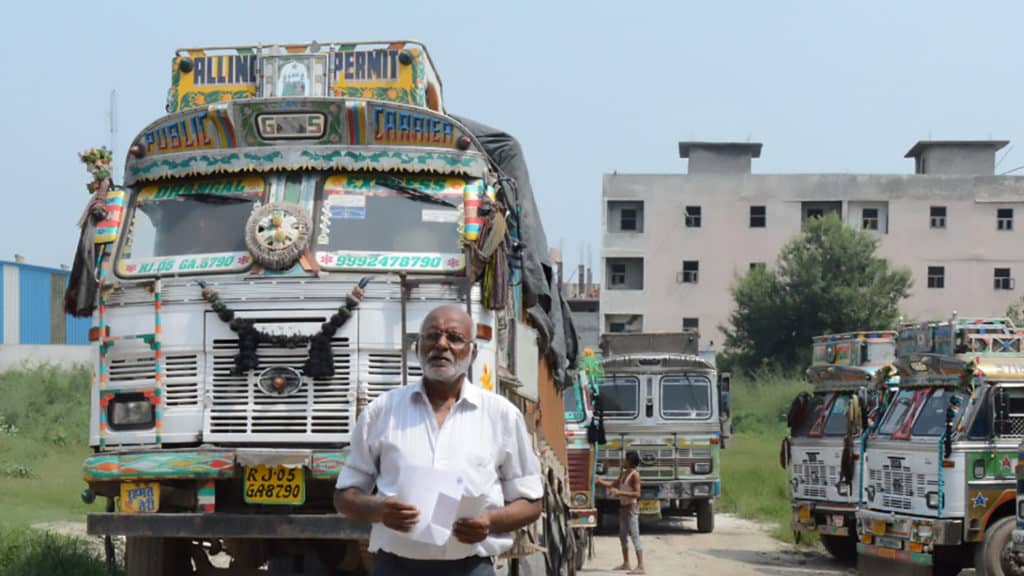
[(225, 525), (830, 519)]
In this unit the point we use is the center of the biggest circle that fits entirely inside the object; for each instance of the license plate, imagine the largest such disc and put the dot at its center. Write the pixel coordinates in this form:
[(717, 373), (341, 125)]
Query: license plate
[(890, 543), (274, 485), (878, 527), (650, 506), (139, 497), (804, 513)]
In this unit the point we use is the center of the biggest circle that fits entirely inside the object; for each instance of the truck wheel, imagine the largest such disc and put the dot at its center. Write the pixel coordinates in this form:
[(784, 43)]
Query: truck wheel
[(988, 554), (842, 548), (156, 557), (705, 516)]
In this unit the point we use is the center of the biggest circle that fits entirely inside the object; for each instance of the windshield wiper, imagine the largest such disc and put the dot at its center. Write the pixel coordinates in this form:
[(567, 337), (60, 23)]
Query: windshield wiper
[(413, 193), (216, 198)]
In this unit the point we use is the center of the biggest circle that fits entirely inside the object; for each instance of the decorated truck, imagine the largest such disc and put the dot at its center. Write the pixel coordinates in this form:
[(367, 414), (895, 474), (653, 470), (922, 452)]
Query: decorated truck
[(260, 277), (583, 433), (825, 435), (938, 471), (659, 398)]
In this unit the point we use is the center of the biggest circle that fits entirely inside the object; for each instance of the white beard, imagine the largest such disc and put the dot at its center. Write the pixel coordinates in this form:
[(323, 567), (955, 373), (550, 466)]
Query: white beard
[(450, 373)]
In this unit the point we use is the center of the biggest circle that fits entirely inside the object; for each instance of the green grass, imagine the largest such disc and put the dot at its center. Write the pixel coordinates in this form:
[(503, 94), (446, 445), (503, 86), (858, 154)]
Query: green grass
[(754, 486), (44, 423), (25, 552)]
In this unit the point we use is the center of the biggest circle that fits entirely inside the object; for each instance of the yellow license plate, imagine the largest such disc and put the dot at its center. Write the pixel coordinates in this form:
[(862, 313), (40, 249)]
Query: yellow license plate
[(650, 506), (804, 513), (275, 485), (878, 527), (139, 497)]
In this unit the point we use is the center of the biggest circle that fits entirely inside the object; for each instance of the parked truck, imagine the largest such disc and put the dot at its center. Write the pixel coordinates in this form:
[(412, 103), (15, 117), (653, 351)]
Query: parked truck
[(260, 278), (661, 399), (938, 471), (825, 435), (583, 430)]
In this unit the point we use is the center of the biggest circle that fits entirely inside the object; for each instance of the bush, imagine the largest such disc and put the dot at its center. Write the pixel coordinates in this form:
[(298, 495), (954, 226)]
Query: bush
[(25, 552)]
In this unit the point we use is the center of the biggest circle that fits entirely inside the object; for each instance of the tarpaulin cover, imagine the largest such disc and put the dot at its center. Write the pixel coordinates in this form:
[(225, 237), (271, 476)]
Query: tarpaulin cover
[(547, 310)]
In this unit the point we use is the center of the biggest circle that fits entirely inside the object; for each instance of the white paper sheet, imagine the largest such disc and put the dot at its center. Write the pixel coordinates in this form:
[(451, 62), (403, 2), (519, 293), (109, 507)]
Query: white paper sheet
[(436, 494)]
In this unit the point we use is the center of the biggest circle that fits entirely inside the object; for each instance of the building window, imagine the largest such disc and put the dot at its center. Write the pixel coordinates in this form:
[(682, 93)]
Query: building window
[(691, 323), (757, 265), (936, 276), (1004, 218), (625, 216), (869, 218), (1002, 279), (758, 217), (623, 323), (628, 220), (689, 273), (693, 216), (624, 273), (618, 275), (938, 216)]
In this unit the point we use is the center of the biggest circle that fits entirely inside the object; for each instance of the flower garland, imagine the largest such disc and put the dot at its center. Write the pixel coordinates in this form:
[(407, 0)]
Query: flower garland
[(320, 361), (97, 162)]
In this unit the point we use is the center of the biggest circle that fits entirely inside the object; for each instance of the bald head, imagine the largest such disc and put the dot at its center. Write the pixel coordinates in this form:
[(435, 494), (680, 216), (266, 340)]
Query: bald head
[(446, 347)]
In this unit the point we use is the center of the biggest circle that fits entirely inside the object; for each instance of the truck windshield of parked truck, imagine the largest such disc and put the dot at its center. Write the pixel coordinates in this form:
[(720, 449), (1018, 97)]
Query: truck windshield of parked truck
[(187, 218), (685, 397), (932, 419), (836, 424), (620, 396), (573, 404), (803, 426), (898, 411), (364, 220)]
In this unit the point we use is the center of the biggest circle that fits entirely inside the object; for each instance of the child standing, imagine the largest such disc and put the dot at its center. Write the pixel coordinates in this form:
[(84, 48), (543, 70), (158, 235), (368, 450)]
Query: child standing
[(627, 488)]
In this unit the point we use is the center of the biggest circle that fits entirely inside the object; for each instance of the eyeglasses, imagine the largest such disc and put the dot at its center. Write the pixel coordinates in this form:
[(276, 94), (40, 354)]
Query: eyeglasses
[(454, 339)]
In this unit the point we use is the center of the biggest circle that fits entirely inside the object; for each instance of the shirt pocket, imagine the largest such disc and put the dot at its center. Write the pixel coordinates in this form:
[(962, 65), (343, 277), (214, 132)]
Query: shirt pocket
[(480, 471)]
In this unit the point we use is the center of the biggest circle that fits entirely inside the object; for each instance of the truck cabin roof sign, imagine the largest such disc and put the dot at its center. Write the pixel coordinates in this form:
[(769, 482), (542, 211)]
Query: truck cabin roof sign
[(397, 72)]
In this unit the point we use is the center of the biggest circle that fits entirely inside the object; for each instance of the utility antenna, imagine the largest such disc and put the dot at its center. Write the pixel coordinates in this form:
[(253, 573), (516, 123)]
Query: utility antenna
[(112, 119)]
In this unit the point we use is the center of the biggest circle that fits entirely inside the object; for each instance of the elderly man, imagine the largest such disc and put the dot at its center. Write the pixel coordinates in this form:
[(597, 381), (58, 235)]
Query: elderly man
[(444, 421)]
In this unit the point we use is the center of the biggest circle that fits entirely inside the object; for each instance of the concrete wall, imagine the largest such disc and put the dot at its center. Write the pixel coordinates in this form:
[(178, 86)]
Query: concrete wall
[(26, 355), (939, 160), (970, 246)]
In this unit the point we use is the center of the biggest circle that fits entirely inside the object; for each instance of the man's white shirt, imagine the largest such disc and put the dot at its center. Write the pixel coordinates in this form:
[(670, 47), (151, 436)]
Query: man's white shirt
[(483, 439)]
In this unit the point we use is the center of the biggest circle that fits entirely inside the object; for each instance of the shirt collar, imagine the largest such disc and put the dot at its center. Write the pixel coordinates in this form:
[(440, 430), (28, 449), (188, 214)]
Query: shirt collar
[(469, 392)]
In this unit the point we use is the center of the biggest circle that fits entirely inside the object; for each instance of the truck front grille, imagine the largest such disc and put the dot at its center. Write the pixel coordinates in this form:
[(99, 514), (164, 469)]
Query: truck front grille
[(320, 406), (181, 375)]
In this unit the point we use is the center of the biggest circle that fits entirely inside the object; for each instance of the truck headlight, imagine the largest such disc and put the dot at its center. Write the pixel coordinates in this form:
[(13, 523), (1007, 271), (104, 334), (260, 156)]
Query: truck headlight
[(1020, 509), (579, 499), (701, 490), (932, 499), (130, 412), (701, 467)]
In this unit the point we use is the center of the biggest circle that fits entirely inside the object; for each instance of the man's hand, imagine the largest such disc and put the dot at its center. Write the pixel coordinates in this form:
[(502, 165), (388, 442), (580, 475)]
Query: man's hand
[(398, 515), (473, 531), (614, 491)]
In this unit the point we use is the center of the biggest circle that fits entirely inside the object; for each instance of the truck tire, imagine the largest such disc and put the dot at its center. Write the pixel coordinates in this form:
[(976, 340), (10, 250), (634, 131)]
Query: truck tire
[(988, 554), (156, 557), (705, 516), (842, 548)]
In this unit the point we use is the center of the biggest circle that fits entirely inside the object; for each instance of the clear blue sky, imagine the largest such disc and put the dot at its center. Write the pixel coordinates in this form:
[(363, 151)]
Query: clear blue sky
[(827, 86)]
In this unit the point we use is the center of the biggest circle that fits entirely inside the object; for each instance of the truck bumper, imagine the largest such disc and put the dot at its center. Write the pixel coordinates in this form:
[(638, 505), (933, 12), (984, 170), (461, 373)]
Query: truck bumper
[(203, 464), (905, 538), (828, 518), (218, 525), (583, 517)]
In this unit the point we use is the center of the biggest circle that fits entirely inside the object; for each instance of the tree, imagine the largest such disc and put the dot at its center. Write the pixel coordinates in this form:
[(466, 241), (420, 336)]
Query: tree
[(1015, 312), (828, 279)]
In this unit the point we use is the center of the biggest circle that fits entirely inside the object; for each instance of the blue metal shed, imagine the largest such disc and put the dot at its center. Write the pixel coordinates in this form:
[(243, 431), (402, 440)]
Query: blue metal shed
[(32, 310)]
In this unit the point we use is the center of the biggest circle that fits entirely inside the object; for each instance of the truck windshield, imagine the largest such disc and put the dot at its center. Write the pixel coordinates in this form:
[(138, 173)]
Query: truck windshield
[(835, 425), (686, 397), (813, 412), (572, 405), (190, 219), (931, 420), (620, 396), (898, 410), (369, 221)]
